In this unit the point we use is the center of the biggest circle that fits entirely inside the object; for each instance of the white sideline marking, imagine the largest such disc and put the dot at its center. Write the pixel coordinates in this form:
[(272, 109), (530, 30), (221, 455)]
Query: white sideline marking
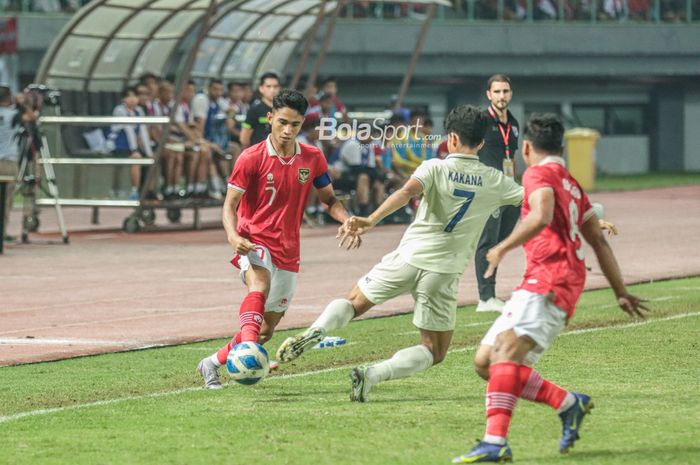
[(64, 341), (470, 325), (31, 413)]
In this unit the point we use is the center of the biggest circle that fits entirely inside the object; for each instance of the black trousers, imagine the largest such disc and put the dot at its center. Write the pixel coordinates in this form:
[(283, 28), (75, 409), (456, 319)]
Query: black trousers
[(495, 231)]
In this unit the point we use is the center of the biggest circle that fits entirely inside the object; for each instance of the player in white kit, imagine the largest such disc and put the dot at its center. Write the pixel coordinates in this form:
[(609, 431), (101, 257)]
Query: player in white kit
[(459, 195)]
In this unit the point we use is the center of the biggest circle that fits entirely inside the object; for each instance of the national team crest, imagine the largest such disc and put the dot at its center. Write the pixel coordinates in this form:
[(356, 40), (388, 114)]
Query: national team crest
[(304, 175)]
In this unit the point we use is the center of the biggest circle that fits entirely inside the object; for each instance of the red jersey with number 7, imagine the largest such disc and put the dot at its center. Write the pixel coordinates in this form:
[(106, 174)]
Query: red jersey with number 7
[(275, 190), (555, 256)]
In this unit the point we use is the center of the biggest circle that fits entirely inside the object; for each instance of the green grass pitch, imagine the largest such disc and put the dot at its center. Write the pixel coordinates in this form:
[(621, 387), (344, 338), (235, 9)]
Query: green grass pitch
[(147, 407)]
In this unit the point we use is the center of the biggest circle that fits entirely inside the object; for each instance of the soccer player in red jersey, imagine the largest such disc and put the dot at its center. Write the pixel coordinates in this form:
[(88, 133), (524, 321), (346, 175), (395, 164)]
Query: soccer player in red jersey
[(262, 215), (556, 218)]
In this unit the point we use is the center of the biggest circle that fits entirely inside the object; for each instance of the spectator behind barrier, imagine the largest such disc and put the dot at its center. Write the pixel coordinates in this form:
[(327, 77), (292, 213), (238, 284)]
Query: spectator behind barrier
[(358, 162), (237, 108), (130, 140), (10, 125), (210, 111), (329, 89), (186, 138)]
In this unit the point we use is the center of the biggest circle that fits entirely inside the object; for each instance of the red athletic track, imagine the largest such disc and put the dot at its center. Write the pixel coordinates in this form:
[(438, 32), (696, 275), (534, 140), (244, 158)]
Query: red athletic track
[(110, 291)]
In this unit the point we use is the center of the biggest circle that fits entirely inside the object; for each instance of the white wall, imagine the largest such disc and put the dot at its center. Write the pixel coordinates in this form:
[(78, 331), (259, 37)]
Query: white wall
[(692, 129), (622, 155)]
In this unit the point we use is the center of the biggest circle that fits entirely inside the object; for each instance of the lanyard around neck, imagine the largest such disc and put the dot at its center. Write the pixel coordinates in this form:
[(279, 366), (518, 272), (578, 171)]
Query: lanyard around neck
[(505, 133)]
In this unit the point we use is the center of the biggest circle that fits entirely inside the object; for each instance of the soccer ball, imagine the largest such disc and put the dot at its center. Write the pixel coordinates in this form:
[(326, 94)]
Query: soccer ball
[(248, 363)]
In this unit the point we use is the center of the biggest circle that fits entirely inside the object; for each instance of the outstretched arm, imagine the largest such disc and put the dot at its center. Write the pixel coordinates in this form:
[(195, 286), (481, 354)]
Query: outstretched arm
[(412, 188), (594, 236), (340, 214), (541, 213)]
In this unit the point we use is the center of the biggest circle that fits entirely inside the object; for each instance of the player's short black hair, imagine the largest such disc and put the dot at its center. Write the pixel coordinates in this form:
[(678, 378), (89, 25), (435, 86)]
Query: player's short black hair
[(469, 123), (327, 79), (213, 81), (269, 75), (498, 78), (233, 84), (290, 98), (545, 131), (129, 90), (146, 76)]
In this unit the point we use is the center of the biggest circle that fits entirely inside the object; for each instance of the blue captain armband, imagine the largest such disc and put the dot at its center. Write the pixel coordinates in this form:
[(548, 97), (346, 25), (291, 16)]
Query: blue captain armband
[(322, 181)]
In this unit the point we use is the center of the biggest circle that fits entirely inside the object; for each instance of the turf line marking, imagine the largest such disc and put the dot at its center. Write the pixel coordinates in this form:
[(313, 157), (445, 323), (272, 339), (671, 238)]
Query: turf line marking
[(470, 325), (31, 413)]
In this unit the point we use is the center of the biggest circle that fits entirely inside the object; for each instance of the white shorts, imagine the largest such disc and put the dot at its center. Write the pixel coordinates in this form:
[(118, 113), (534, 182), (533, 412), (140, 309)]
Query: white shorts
[(283, 283), (435, 293), (529, 314)]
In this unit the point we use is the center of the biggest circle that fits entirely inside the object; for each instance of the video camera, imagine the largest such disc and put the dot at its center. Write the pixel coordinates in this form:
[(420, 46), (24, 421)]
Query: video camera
[(39, 95)]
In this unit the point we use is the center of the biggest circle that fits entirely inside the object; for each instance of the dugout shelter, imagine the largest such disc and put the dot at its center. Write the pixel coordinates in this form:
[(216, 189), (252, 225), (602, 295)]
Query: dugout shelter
[(108, 44)]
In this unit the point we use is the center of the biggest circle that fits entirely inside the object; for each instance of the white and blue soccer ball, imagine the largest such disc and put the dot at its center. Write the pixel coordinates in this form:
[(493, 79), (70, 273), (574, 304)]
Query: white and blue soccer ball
[(248, 363)]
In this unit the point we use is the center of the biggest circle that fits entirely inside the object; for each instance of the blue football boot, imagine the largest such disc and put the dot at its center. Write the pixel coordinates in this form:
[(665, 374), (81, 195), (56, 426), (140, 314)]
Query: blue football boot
[(486, 452), (571, 420)]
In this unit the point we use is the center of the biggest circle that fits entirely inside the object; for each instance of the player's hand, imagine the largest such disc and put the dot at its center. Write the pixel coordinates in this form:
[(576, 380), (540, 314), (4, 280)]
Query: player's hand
[(494, 257), (609, 227), (241, 245), (359, 224), (348, 238), (632, 305)]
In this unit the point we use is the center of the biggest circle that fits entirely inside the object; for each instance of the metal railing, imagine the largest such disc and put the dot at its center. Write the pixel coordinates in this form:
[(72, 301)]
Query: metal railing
[(143, 207), (526, 11), (592, 11)]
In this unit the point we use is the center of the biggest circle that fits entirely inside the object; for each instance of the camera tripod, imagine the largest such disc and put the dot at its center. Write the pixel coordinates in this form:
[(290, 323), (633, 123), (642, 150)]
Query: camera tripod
[(34, 155)]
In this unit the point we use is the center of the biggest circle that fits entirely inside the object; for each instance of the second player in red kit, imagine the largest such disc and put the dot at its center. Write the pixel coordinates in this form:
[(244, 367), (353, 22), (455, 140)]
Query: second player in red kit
[(556, 219), (262, 216)]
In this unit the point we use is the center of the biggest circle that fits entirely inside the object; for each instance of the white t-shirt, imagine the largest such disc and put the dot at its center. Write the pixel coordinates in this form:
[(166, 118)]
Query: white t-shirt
[(352, 153), (459, 195), (200, 106), (8, 141)]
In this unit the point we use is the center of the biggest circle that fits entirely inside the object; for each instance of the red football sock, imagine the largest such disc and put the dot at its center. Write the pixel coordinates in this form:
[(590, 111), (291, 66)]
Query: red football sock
[(502, 394), (222, 353), (251, 315), (538, 389)]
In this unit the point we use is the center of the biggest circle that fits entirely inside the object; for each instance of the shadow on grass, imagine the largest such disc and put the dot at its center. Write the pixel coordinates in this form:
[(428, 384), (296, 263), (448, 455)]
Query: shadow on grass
[(651, 455)]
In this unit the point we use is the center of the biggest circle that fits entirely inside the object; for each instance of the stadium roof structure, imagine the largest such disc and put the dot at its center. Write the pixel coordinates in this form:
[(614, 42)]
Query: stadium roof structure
[(110, 43)]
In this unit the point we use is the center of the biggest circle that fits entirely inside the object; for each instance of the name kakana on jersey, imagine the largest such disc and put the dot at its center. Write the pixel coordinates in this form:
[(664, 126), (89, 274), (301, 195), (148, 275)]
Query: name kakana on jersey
[(463, 178)]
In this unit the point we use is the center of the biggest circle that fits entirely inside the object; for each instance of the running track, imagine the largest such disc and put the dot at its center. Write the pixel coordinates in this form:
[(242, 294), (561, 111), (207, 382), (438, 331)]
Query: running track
[(110, 291)]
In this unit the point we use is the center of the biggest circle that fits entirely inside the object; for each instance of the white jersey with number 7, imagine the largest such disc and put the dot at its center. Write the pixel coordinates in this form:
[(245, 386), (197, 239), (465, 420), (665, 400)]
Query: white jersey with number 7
[(459, 195)]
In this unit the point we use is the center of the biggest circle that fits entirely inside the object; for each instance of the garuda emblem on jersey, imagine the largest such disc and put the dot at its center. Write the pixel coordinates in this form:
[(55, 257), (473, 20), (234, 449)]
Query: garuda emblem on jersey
[(304, 175)]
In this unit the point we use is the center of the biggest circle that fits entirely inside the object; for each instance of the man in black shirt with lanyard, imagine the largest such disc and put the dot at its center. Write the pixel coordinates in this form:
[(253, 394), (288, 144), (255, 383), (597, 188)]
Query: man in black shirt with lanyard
[(501, 143), (256, 127)]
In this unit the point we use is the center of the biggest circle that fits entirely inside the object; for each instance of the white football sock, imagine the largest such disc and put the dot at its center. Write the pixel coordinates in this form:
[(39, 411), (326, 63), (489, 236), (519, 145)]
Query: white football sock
[(404, 363), (569, 401), (491, 439), (336, 315)]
